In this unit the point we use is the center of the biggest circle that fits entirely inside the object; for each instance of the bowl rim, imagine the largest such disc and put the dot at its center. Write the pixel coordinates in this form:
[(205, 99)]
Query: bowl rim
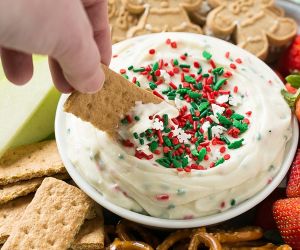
[(173, 223)]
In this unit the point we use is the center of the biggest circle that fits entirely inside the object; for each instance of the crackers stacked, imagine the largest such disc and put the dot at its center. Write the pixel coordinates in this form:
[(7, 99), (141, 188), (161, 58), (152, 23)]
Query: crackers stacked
[(255, 25), (38, 210)]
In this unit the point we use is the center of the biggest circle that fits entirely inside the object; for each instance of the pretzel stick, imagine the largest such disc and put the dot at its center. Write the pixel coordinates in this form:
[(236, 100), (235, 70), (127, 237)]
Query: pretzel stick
[(239, 235)]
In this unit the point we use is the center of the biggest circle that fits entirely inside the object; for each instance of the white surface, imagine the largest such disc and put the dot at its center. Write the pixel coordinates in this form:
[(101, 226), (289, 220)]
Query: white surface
[(165, 223)]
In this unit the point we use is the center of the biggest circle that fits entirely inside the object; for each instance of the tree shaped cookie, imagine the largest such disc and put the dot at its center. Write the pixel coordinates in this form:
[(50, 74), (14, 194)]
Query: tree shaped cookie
[(160, 16), (120, 20), (252, 24)]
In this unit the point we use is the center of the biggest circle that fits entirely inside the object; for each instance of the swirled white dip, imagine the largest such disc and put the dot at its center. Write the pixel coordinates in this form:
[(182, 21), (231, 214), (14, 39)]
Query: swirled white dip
[(141, 185)]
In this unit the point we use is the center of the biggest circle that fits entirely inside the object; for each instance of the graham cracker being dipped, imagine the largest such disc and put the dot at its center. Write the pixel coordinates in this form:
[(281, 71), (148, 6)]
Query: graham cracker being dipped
[(30, 161), (105, 108), (52, 219), (21, 188)]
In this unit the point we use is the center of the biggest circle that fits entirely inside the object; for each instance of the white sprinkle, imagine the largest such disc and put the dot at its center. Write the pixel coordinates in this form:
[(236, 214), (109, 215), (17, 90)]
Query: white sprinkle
[(217, 109), (222, 99)]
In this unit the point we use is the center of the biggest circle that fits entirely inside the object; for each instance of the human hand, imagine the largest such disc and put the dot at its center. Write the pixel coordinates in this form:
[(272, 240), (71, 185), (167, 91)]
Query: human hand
[(73, 33)]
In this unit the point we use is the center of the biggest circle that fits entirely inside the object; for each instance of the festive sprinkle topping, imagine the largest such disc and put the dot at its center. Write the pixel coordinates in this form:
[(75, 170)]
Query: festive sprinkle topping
[(207, 127)]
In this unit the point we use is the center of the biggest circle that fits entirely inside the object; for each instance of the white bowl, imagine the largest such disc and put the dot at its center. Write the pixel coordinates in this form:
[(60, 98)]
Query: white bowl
[(168, 223)]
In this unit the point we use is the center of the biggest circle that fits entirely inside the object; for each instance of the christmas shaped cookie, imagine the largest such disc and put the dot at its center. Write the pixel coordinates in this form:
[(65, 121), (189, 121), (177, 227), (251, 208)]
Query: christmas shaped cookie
[(252, 24), (120, 20), (160, 16)]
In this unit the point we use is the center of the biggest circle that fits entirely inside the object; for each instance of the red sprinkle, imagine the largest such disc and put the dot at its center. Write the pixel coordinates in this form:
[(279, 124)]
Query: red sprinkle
[(168, 41), (227, 54), (232, 65), (172, 85), (162, 197), (222, 149), (249, 113), (226, 157), (157, 94), (238, 60), (235, 89), (122, 71), (212, 63), (174, 45), (152, 51), (196, 65), (183, 57)]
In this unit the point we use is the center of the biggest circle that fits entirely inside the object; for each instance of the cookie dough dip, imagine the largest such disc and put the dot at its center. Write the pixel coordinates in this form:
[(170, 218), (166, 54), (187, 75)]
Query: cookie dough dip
[(217, 138)]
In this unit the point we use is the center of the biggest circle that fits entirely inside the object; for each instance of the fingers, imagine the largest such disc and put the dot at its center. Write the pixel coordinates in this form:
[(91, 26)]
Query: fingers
[(97, 11), (58, 77), (77, 53), (17, 66)]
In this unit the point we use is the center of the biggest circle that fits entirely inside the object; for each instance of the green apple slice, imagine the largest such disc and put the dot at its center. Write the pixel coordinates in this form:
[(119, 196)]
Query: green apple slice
[(27, 112)]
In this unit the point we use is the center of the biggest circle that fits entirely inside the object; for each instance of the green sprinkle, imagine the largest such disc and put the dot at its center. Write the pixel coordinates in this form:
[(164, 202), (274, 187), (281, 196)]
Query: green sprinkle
[(220, 161), (177, 164), (219, 71), (182, 91), (142, 141), (232, 202), (219, 83), (124, 121), (241, 126), (185, 162), (223, 120), (138, 69), (136, 118), (167, 130), (181, 191), (189, 79), (155, 66), (194, 105), (199, 86), (204, 113), (183, 65), (205, 75), (237, 116), (171, 206), (163, 162), (166, 119), (135, 134), (236, 144), (201, 154), (138, 84), (225, 139), (209, 133), (166, 91), (177, 146), (194, 95), (152, 85), (125, 76), (175, 62), (171, 97), (167, 141), (203, 106), (130, 67), (121, 157), (199, 70), (206, 55), (195, 152), (153, 146)]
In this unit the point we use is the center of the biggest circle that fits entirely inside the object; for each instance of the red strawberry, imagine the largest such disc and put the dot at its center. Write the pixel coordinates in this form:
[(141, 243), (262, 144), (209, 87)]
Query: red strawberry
[(293, 187), (290, 60), (286, 213)]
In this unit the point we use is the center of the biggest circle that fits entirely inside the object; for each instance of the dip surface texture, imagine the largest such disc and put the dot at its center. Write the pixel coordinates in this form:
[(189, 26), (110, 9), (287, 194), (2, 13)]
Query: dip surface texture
[(219, 163)]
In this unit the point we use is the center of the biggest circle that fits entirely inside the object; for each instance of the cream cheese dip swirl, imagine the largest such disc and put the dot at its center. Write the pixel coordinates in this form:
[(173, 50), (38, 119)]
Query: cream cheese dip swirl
[(223, 143)]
